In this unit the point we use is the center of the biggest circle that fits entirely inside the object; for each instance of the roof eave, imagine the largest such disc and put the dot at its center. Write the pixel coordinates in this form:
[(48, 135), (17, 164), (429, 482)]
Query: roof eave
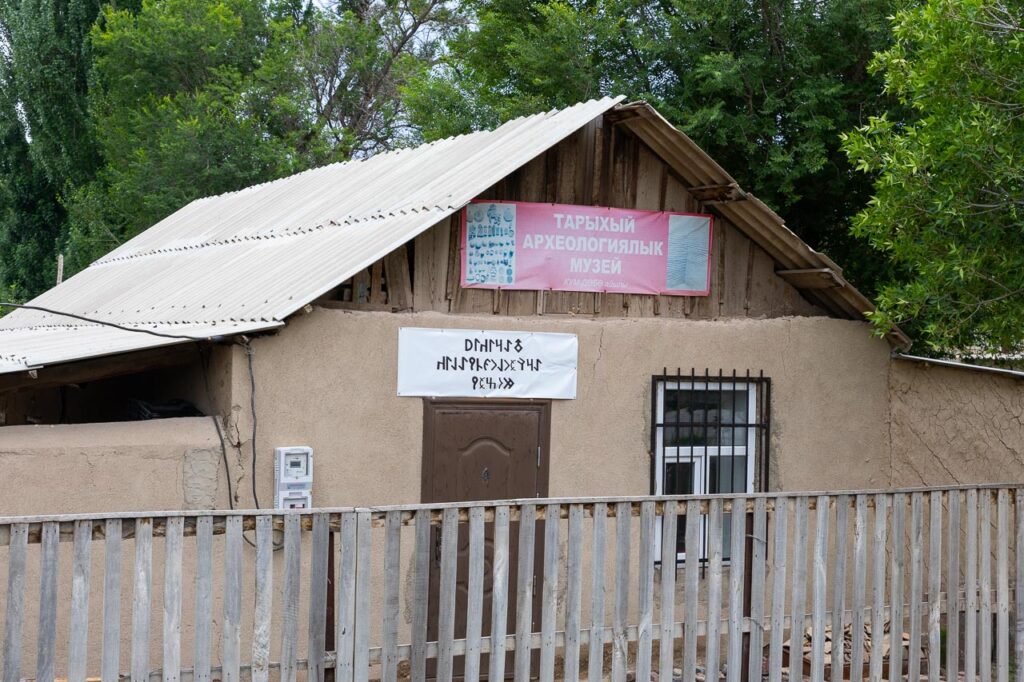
[(750, 215)]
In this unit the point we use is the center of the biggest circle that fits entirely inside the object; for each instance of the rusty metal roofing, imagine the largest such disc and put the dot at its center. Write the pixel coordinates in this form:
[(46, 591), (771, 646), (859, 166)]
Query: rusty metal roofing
[(244, 261)]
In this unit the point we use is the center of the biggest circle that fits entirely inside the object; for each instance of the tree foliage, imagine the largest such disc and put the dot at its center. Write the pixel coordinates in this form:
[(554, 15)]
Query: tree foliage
[(198, 97), (129, 110), (766, 88), (48, 144), (948, 203)]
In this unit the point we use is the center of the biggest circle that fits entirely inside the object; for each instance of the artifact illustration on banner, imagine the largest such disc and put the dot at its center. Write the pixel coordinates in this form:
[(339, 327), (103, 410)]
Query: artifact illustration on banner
[(520, 245)]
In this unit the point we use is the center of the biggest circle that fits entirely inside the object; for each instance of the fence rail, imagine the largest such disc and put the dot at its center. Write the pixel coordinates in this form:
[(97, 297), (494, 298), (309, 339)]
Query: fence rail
[(823, 586)]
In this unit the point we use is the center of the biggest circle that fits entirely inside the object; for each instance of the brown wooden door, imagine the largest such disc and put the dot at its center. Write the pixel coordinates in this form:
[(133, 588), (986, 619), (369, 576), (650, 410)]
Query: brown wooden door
[(484, 451)]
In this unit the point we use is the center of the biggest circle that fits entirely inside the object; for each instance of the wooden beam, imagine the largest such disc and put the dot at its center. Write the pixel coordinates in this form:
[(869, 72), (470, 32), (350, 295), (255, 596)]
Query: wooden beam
[(100, 368), (396, 271), (811, 278), (365, 307), (718, 194)]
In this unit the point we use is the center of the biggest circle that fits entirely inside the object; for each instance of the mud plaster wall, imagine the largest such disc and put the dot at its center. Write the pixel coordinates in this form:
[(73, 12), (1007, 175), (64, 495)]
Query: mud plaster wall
[(330, 382), (109, 467), (952, 426)]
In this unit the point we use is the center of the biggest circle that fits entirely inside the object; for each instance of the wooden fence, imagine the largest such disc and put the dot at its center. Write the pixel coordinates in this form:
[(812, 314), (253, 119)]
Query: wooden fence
[(448, 590)]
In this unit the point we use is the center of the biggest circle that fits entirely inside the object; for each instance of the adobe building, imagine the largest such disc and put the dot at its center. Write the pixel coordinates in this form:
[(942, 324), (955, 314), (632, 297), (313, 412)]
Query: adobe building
[(580, 302)]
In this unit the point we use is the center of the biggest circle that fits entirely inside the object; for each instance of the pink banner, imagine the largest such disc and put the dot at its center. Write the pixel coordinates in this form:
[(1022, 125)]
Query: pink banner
[(519, 245)]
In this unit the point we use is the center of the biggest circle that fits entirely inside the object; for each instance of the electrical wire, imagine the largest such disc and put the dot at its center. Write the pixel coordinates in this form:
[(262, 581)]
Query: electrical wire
[(24, 306), (252, 406), (205, 365)]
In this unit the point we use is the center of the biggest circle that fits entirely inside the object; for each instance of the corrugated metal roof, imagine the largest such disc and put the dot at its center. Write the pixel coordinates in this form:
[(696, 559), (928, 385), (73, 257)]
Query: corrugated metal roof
[(244, 261)]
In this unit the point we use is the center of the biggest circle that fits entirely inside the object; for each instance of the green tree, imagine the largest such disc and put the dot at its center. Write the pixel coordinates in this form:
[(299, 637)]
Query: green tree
[(948, 205), (766, 88), (30, 216), (196, 97)]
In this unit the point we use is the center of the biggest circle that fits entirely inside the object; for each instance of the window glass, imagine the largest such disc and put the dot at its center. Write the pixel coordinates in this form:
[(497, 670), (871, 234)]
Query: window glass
[(703, 418), (707, 436), (679, 481)]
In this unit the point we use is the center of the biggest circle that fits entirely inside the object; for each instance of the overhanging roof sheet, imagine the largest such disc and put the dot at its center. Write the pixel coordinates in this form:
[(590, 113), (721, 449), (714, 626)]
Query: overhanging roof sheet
[(244, 261)]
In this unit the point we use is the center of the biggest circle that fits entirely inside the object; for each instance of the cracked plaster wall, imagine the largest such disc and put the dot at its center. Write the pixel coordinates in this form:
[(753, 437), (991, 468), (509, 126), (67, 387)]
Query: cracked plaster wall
[(954, 426)]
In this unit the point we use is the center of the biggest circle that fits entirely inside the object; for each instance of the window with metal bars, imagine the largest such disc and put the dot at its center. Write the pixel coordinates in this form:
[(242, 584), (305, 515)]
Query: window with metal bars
[(710, 436)]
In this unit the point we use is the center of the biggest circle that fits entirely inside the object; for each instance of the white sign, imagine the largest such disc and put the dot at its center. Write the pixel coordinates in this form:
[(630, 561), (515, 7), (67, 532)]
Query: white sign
[(462, 363)]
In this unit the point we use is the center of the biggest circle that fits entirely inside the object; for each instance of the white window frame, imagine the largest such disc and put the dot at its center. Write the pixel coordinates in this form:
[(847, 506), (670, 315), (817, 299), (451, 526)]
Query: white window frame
[(700, 455)]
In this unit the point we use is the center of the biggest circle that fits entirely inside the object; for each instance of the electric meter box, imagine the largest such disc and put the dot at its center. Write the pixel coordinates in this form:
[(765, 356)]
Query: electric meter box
[(293, 477)]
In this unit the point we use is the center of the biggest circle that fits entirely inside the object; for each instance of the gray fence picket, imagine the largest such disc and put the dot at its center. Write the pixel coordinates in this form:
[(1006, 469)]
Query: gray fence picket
[(345, 609), (736, 589), (916, 560), (897, 567), (46, 637), (446, 595), (860, 567), (690, 594), (141, 598), (645, 593), (475, 602), (392, 576), (878, 544), (620, 615), (934, 586), (524, 591), (780, 513), (713, 640), (819, 590), (78, 643), (231, 632), (361, 625), (549, 593), (110, 666), (971, 586), (290, 596), (264, 599), (171, 634), (836, 657), (666, 643), (1018, 584), (985, 587), (953, 582), (1002, 586), (204, 599), (14, 612), (316, 631), (499, 594), (573, 593), (595, 658), (798, 594), (759, 555)]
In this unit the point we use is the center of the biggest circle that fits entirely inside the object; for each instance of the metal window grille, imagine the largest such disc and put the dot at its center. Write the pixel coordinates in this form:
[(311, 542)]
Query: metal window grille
[(710, 435)]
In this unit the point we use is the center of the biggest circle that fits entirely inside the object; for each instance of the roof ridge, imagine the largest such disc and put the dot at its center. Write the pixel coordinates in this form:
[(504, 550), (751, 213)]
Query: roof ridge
[(263, 236)]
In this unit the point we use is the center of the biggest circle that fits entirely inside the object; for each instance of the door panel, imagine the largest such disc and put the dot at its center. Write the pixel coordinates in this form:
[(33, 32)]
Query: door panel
[(483, 451)]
